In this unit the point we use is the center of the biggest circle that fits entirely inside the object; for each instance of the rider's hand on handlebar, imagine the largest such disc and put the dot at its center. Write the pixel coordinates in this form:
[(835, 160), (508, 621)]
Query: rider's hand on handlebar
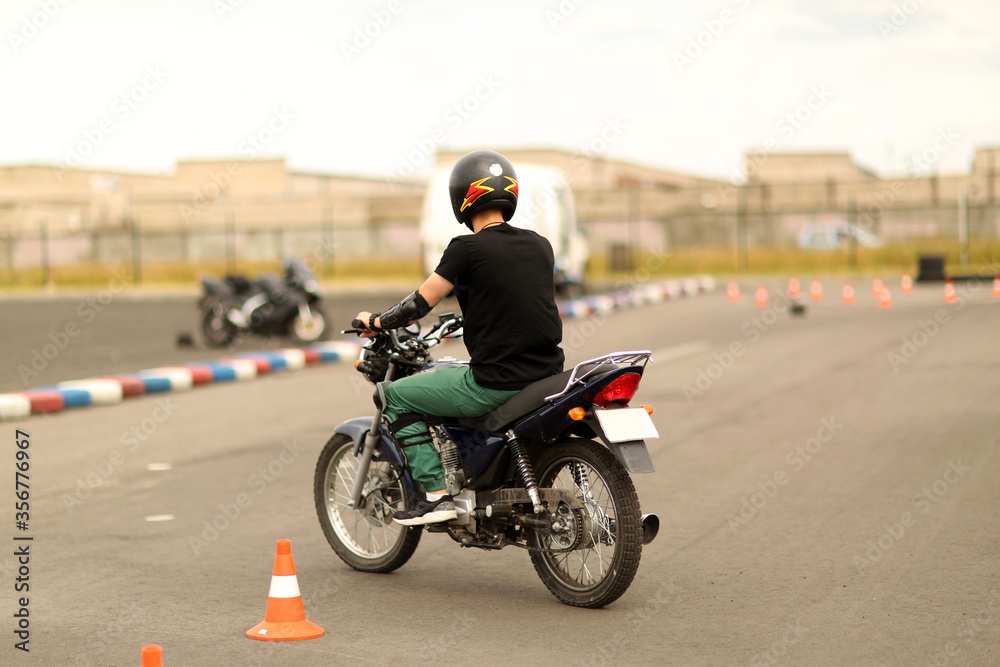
[(361, 324)]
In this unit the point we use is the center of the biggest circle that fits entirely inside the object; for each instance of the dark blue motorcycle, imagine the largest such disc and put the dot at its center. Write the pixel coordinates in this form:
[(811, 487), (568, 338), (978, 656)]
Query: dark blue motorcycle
[(235, 308), (547, 471)]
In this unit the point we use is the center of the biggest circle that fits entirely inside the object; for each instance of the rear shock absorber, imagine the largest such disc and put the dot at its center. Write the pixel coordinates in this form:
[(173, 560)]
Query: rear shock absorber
[(524, 470)]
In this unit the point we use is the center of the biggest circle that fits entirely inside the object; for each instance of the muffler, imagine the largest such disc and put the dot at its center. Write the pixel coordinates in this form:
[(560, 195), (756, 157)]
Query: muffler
[(650, 527)]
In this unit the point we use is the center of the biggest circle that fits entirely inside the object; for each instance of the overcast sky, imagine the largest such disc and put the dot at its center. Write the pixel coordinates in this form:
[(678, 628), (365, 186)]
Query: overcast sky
[(372, 88)]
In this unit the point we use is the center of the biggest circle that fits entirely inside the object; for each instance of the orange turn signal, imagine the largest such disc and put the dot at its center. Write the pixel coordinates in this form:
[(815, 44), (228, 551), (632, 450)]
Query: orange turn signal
[(356, 363), (647, 408), (576, 414)]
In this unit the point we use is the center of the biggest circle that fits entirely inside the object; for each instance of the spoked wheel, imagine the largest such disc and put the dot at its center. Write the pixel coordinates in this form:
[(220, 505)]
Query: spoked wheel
[(218, 330), (606, 559), (365, 538), (308, 329)]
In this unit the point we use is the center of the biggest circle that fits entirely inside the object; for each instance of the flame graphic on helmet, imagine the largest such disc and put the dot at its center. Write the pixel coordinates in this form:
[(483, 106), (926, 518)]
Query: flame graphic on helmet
[(512, 188), (476, 190)]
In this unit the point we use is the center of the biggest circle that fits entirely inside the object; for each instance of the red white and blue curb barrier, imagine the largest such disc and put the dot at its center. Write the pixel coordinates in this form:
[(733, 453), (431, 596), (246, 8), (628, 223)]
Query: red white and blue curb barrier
[(635, 296), (113, 389)]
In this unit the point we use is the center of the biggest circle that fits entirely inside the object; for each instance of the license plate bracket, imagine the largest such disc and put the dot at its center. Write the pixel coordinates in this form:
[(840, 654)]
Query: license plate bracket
[(625, 424)]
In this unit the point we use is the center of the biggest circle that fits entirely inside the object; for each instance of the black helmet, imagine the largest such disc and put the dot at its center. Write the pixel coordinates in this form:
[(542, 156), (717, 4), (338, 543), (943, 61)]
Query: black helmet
[(481, 180)]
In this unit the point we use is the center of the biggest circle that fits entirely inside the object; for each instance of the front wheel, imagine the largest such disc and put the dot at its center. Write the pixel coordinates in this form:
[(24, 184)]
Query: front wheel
[(310, 328), (365, 538), (603, 565)]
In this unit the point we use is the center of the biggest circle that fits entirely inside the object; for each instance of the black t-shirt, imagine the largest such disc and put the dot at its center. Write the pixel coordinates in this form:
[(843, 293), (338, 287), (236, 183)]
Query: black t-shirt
[(503, 279)]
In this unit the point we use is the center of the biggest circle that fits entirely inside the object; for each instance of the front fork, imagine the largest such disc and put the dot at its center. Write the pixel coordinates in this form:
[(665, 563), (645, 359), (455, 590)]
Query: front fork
[(367, 452)]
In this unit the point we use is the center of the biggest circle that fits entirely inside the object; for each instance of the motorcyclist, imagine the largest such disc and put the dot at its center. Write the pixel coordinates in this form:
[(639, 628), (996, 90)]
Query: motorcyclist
[(502, 277)]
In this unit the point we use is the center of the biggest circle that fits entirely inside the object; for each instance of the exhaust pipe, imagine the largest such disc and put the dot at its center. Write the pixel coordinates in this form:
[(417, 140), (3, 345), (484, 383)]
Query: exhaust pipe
[(650, 527)]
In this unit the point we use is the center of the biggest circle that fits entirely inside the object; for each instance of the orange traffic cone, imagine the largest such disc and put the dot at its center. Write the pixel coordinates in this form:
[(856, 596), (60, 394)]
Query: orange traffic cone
[(285, 617), (949, 291), (848, 294), (996, 287), (906, 283), (885, 298), (761, 298), (794, 288), (816, 290), (152, 656), (877, 287), (733, 292)]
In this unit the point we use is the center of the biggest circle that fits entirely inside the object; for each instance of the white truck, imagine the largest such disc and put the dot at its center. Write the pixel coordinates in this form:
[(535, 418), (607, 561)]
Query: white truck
[(545, 205)]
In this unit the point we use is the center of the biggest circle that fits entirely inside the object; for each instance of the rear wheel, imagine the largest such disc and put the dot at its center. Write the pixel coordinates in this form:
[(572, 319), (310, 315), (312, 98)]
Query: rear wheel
[(216, 327), (601, 569), (365, 538)]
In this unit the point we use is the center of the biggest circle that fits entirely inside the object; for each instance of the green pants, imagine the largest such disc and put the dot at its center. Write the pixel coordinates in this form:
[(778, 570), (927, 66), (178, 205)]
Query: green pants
[(446, 392)]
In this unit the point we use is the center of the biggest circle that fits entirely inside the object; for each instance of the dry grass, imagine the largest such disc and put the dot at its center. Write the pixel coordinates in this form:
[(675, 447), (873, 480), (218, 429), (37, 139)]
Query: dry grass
[(984, 257)]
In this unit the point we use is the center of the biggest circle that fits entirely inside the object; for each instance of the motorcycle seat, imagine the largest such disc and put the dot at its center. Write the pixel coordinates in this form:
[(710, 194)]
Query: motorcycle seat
[(528, 399)]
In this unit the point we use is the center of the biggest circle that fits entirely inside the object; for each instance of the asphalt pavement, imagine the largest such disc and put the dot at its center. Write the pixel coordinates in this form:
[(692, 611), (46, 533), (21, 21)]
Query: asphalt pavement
[(826, 484)]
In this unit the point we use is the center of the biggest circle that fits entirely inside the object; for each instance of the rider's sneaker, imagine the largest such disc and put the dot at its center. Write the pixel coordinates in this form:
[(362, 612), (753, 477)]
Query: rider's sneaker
[(427, 511)]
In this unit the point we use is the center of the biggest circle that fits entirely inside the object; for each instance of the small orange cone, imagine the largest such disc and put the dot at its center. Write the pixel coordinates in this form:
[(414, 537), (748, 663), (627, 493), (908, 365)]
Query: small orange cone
[(794, 288), (949, 291), (885, 298), (816, 291), (877, 287), (996, 287), (760, 298), (906, 283), (848, 294), (285, 617), (152, 656), (733, 292)]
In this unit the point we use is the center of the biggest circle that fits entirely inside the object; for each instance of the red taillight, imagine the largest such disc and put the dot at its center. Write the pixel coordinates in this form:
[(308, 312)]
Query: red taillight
[(620, 390)]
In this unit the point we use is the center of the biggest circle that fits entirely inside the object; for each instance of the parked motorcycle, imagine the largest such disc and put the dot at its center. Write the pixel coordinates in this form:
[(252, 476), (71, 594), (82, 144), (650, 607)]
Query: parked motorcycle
[(547, 471), (235, 307)]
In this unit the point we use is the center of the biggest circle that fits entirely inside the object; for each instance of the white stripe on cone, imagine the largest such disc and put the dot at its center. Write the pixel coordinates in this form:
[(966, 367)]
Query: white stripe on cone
[(284, 587)]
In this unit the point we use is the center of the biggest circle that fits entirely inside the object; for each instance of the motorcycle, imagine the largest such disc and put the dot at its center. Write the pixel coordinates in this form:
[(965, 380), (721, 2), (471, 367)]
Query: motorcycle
[(547, 471), (235, 308)]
